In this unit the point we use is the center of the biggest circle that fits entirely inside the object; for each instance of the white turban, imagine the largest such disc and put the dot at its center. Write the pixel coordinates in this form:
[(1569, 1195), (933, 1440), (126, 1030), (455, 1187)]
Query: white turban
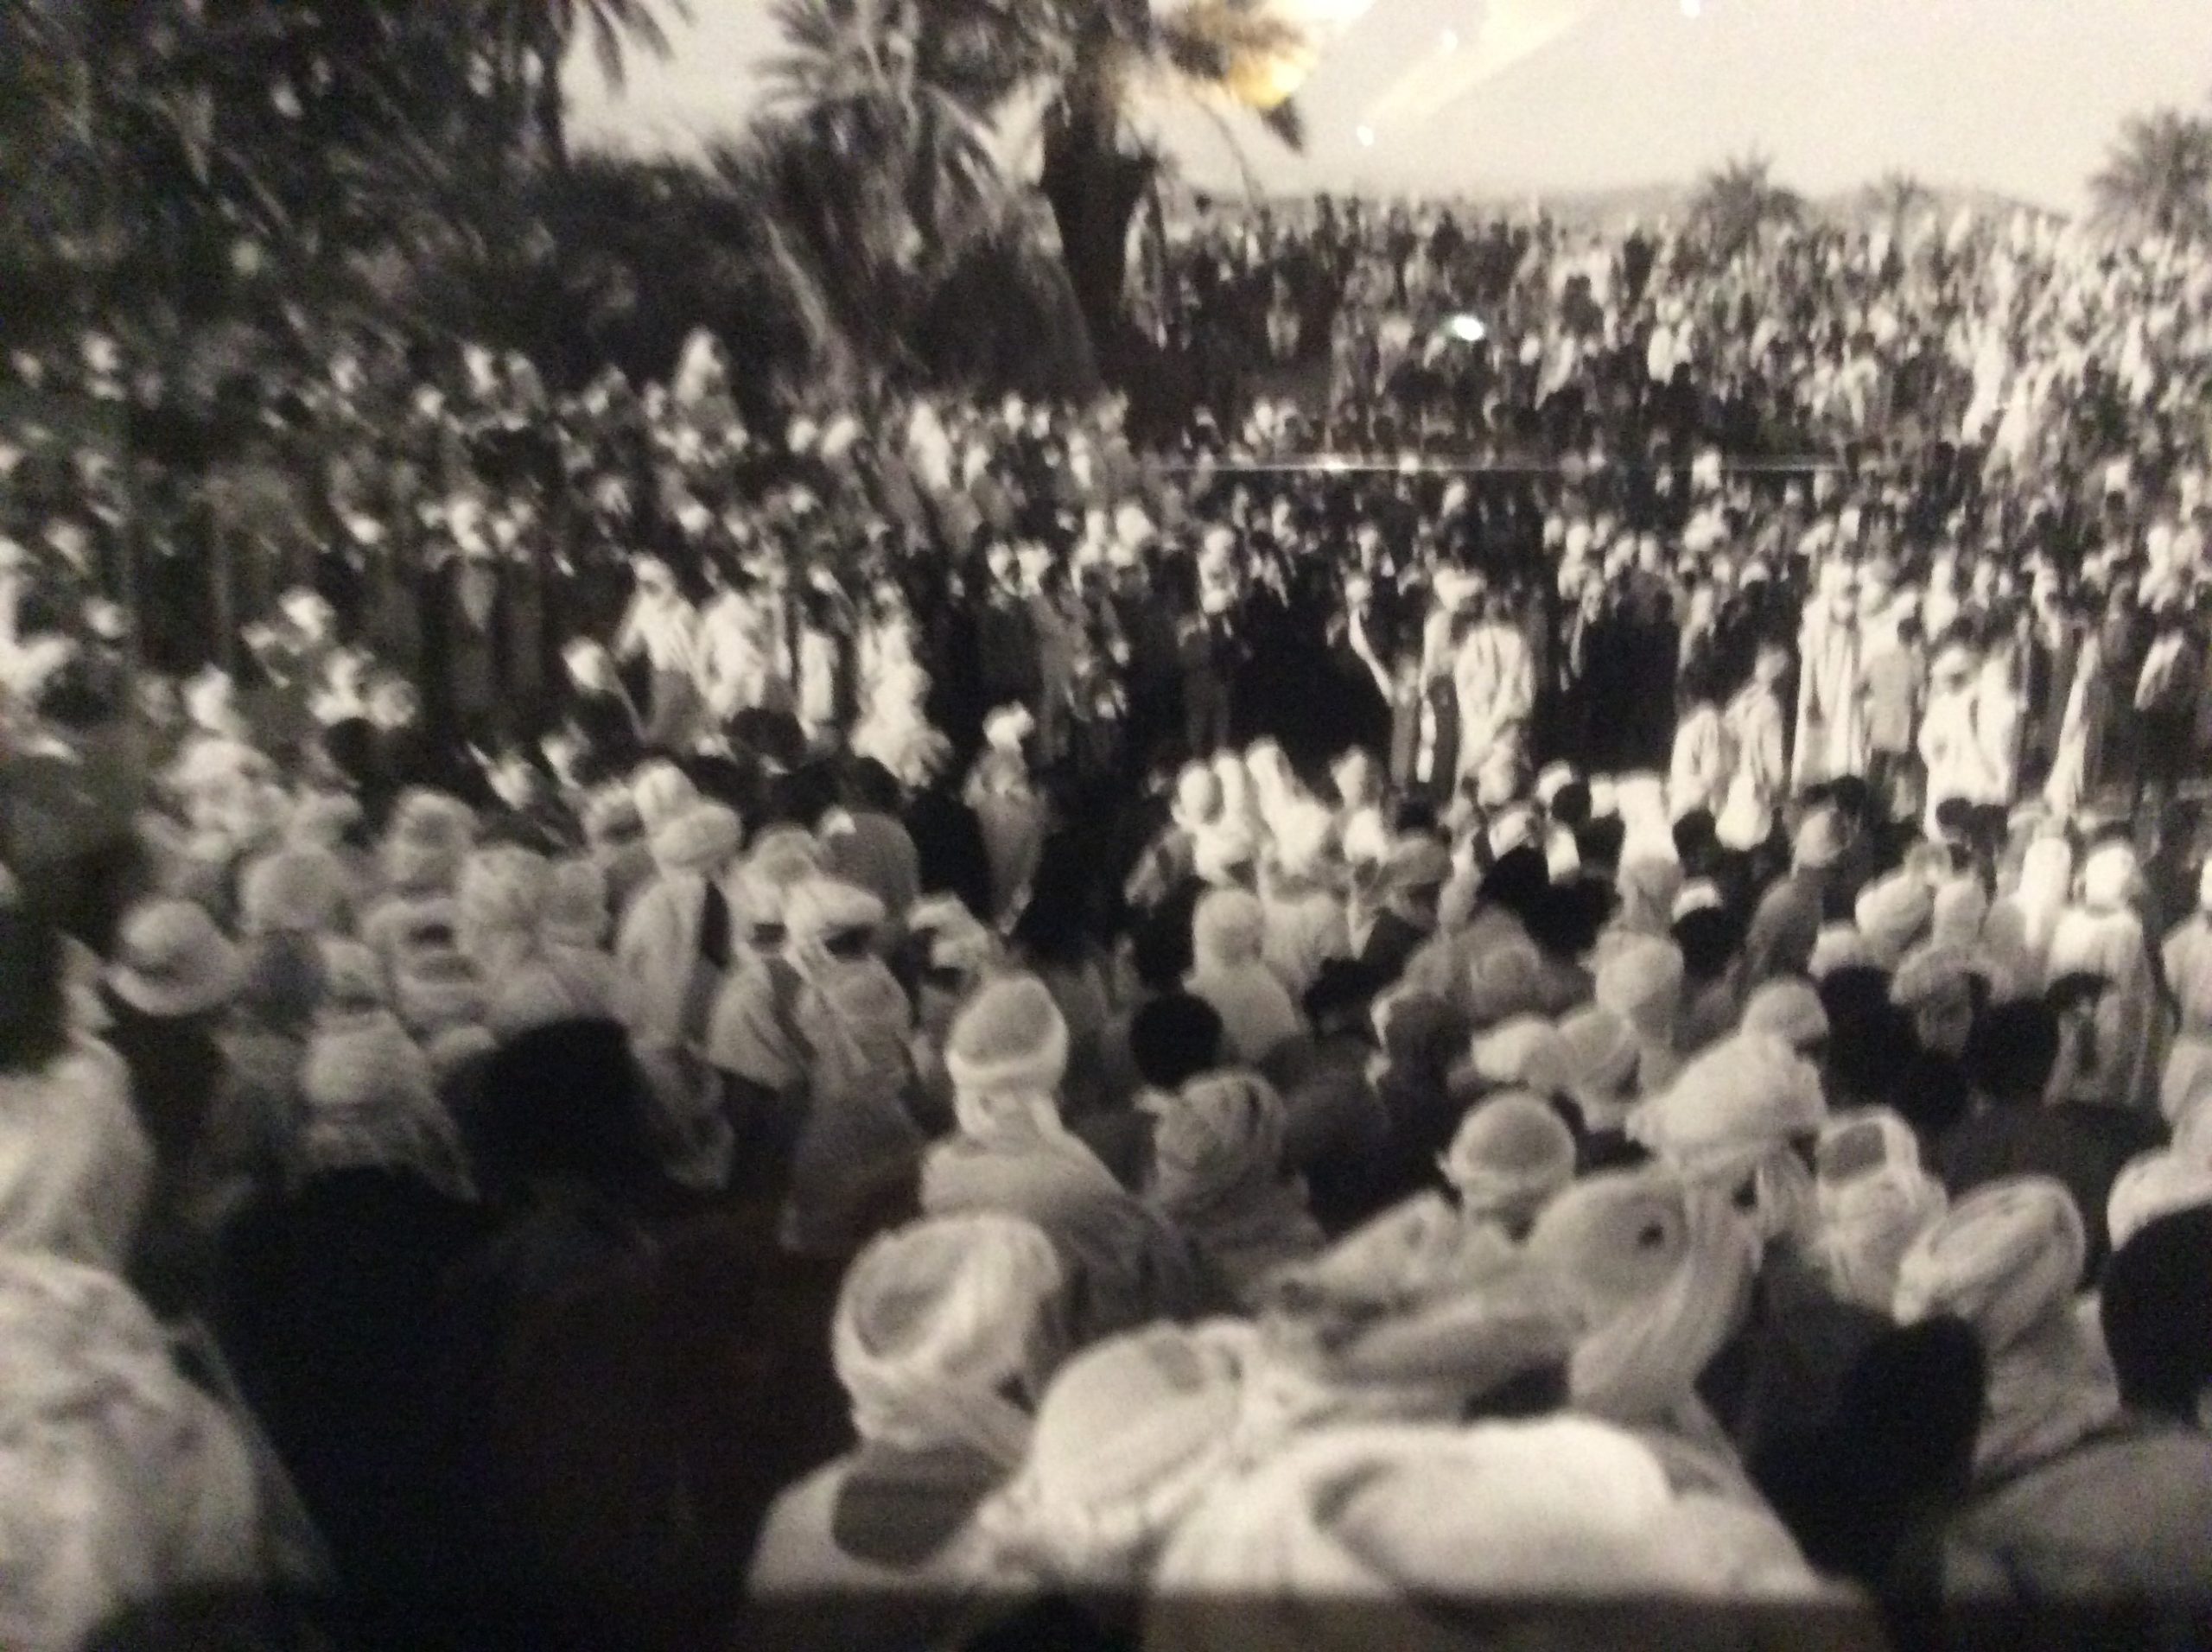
[(1874, 1201), (933, 1320), (1660, 1274), (1131, 1433), (1641, 982), (1732, 1106), (1511, 1156), (1006, 1055), (2108, 877), (1791, 1011), (2156, 1185), (1892, 913), (1414, 1518), (2006, 1259), (1524, 1054)]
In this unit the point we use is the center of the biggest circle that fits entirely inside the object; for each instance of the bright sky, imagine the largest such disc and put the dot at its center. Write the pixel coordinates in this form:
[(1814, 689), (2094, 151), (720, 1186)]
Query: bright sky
[(1517, 96)]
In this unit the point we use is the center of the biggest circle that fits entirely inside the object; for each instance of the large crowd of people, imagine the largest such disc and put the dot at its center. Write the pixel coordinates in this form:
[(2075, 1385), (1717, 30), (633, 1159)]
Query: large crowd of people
[(1587, 972)]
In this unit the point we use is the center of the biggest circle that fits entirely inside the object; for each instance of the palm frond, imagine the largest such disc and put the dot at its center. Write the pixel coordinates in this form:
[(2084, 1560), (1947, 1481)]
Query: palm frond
[(1287, 121)]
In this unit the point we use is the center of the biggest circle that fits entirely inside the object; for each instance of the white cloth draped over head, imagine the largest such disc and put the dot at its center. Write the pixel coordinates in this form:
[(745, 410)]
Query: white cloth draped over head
[(1228, 940), (1130, 1434), (121, 1483), (1874, 1200), (1511, 1155), (75, 1164), (1006, 1056), (2156, 1185), (933, 1320), (2006, 1259), (1217, 1174), (1733, 1114), (1660, 1273), (1416, 1518)]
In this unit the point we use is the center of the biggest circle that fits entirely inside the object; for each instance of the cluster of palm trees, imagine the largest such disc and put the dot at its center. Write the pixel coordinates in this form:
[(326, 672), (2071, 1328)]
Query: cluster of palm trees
[(2158, 177)]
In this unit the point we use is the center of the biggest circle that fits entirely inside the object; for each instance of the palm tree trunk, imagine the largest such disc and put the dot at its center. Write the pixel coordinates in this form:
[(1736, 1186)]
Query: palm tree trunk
[(1094, 190)]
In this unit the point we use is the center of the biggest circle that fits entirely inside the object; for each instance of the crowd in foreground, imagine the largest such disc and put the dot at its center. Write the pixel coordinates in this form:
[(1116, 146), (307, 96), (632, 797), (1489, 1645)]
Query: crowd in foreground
[(750, 1201), (931, 1032)]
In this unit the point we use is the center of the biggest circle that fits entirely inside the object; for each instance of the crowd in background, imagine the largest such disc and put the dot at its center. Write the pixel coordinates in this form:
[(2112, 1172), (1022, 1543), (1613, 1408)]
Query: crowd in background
[(922, 1028)]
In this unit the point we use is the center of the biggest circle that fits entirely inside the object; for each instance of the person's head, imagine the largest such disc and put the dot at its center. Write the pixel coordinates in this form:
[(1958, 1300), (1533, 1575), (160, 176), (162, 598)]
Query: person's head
[(2156, 1313), (1517, 883), (2012, 1052), (393, 704), (1565, 919), (1712, 940), (1944, 996), (1175, 1038)]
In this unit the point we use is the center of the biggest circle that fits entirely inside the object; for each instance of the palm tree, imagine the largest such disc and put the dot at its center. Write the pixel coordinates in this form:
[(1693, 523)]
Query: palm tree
[(2158, 176), (875, 171), (1095, 176), (1084, 61), (1737, 204), (1897, 196), (525, 43)]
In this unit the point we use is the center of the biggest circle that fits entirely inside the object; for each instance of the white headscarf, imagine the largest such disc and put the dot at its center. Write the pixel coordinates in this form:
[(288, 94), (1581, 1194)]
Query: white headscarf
[(2005, 1260), (1874, 1200), (933, 1320), (1416, 1518), (1662, 1273), (121, 1483)]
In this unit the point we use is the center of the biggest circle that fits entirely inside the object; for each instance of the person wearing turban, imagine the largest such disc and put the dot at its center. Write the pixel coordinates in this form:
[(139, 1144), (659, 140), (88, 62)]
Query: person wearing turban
[(2125, 1512), (2187, 955), (75, 1164), (1228, 936), (1306, 919), (1511, 1156), (1217, 1174), (1641, 982), (124, 1487), (2005, 1260), (854, 1022), (1011, 1152), (1873, 1200), (1660, 1274), (1786, 923), (673, 949), (1523, 1528), (2101, 934), (1131, 1434), (1741, 1123), (1893, 914), (946, 1333)]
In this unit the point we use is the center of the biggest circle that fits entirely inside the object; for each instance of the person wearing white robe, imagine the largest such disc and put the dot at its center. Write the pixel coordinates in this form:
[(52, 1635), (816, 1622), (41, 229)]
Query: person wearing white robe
[(662, 628), (1497, 684), (1704, 759), (2080, 731), (1755, 729), (2102, 935), (1999, 709), (1950, 739), (734, 653), (1830, 718)]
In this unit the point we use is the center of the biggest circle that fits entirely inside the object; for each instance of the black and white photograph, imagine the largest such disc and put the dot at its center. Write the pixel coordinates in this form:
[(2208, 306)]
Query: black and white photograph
[(1105, 825)]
